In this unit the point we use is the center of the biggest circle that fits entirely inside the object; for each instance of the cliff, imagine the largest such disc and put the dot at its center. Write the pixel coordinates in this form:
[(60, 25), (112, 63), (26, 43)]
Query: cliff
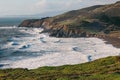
[(99, 21)]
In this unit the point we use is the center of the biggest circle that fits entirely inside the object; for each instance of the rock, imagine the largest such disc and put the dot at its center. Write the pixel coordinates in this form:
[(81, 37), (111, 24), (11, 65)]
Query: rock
[(42, 40), (89, 58), (2, 65), (25, 46), (15, 43), (75, 49), (33, 22)]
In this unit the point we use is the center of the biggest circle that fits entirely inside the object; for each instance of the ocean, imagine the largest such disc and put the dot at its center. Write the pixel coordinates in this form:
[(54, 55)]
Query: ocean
[(22, 47), (5, 21)]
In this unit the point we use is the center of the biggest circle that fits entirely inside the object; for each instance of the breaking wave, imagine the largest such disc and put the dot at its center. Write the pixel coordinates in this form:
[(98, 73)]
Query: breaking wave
[(27, 48)]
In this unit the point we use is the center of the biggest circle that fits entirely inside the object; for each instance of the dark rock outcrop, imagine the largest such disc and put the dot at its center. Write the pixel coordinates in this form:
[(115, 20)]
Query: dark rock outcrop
[(32, 22)]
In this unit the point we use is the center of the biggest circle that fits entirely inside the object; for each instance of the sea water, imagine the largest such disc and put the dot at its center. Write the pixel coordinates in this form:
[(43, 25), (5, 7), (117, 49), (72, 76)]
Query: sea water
[(22, 47)]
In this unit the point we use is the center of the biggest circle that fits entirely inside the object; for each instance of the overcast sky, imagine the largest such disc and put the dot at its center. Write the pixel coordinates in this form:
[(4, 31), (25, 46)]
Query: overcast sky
[(29, 7)]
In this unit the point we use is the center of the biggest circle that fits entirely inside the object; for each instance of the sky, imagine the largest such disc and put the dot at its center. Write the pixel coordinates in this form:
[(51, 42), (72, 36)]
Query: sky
[(46, 7)]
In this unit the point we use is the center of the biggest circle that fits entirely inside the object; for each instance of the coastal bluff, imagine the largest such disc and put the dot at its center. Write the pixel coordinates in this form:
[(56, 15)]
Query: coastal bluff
[(94, 21)]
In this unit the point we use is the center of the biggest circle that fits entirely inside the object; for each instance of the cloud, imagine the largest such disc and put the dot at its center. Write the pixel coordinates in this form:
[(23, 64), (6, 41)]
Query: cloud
[(46, 7), (55, 5), (41, 4)]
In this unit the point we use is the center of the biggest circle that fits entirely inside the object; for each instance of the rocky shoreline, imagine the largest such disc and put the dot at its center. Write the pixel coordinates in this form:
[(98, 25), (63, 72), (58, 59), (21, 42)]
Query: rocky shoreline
[(95, 21), (65, 33), (112, 40)]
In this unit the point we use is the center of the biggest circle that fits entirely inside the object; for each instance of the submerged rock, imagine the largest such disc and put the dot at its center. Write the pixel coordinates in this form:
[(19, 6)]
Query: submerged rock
[(2, 65), (75, 48), (25, 46), (89, 58), (10, 39), (42, 40), (15, 43)]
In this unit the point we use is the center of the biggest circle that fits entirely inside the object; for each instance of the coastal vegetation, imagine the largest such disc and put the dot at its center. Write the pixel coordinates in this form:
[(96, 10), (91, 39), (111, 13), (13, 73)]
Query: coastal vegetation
[(101, 69), (98, 20), (95, 21)]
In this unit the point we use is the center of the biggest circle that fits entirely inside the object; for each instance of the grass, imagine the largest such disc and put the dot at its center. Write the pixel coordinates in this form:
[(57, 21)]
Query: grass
[(102, 69)]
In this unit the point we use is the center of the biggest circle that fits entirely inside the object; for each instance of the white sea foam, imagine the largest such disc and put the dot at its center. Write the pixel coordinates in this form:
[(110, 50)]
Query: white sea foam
[(58, 51), (54, 59), (7, 27)]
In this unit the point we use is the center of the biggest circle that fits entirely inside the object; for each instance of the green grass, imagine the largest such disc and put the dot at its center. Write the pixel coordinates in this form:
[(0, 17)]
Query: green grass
[(102, 69)]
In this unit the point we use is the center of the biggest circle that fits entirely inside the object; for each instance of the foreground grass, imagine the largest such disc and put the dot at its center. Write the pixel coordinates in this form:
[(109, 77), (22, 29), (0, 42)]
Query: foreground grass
[(102, 69)]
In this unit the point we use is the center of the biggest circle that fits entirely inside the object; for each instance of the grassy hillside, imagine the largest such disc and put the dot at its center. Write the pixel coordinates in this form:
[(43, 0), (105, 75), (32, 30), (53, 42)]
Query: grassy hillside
[(102, 69), (99, 19)]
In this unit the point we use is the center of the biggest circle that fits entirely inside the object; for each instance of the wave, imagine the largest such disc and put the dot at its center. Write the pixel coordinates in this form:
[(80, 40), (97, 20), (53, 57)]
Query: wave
[(38, 50)]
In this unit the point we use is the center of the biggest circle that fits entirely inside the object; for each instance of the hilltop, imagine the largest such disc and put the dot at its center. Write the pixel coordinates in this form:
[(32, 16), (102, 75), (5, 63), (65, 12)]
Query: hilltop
[(87, 22)]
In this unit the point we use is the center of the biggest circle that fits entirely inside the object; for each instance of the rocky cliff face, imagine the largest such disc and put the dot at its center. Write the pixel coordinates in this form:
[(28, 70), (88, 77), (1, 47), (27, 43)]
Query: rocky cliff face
[(32, 22), (88, 22)]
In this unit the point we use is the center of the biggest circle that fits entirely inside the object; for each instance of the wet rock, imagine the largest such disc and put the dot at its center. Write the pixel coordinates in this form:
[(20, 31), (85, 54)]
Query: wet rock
[(15, 43), (89, 58), (25, 46)]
